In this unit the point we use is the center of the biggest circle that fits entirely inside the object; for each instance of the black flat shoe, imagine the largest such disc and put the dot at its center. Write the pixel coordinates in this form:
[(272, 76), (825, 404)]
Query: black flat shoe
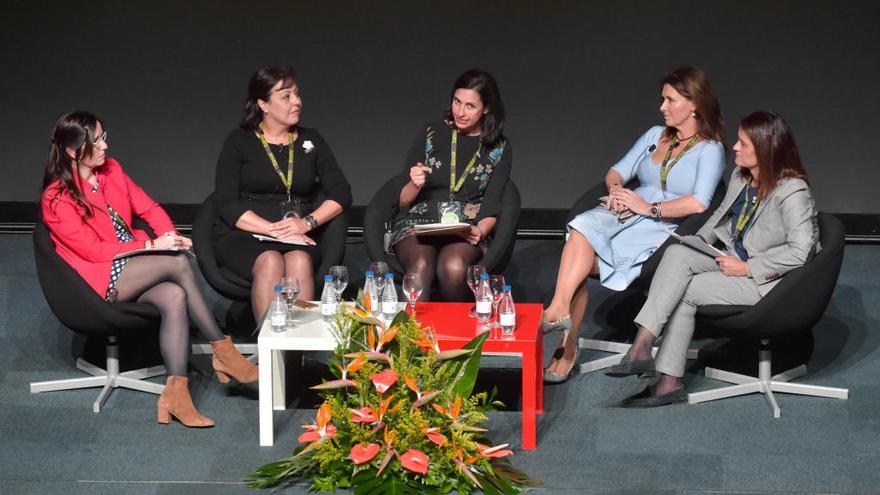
[(645, 399), (628, 367)]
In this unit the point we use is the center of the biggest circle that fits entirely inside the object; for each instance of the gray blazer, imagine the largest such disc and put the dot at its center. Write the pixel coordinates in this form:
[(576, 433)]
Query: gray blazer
[(781, 235)]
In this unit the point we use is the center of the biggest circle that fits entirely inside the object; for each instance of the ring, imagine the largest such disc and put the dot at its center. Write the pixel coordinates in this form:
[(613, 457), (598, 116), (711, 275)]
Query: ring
[(167, 234)]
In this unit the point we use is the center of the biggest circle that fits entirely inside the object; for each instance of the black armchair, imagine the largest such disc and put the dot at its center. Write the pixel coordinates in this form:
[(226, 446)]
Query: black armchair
[(384, 205), (796, 303), (232, 286), (689, 226), (79, 308)]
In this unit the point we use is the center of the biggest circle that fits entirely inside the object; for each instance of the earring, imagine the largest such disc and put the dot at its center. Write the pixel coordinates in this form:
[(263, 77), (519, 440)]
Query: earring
[(694, 114)]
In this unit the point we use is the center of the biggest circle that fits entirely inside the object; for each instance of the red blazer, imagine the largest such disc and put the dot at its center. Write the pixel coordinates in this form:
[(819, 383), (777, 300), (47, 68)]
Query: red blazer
[(89, 246)]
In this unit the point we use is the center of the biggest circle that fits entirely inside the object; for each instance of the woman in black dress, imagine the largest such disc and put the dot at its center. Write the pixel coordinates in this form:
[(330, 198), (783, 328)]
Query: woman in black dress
[(277, 179), (460, 166)]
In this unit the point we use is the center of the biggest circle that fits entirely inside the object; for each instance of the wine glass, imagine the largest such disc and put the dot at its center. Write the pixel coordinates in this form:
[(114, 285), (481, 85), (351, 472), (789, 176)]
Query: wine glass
[(340, 280), (473, 280), (496, 284), (379, 269), (412, 289), (290, 290)]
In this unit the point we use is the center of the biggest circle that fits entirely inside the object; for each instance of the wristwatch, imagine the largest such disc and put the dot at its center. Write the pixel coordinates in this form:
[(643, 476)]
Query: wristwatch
[(655, 209), (313, 223)]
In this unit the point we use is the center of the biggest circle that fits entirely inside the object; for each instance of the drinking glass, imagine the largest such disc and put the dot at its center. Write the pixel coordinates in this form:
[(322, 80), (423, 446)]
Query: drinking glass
[(379, 269), (412, 289), (496, 284), (290, 291), (473, 280), (340, 280)]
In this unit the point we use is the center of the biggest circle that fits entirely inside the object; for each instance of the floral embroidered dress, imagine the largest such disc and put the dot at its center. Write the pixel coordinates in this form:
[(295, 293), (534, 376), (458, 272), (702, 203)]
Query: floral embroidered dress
[(480, 193)]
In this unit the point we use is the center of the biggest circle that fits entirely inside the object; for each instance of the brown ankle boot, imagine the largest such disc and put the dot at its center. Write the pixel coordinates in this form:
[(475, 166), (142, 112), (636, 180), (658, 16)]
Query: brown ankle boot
[(228, 362), (176, 401)]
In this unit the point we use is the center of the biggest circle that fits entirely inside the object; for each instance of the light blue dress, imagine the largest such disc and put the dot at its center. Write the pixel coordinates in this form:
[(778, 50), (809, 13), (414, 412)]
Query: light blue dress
[(623, 247)]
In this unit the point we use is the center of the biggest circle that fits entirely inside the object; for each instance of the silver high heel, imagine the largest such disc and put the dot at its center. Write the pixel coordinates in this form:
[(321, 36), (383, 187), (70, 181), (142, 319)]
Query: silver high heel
[(554, 378), (560, 325)]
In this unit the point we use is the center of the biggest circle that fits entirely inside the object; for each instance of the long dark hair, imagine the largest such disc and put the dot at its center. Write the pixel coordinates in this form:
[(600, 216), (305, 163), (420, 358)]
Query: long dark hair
[(74, 131), (775, 149), (693, 84), (260, 88), (492, 123)]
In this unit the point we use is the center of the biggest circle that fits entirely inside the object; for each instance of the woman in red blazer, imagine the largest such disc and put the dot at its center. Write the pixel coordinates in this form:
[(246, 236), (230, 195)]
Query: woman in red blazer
[(88, 203)]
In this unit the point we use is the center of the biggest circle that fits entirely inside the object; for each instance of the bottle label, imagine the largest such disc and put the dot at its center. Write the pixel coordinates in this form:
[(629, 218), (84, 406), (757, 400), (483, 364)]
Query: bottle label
[(484, 306), (389, 307), (278, 319), (508, 319), (328, 309)]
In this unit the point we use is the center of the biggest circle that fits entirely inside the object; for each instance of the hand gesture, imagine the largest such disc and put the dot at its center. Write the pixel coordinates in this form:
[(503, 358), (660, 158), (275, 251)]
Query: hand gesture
[(472, 236), (171, 240), (418, 174), (288, 226), (627, 199)]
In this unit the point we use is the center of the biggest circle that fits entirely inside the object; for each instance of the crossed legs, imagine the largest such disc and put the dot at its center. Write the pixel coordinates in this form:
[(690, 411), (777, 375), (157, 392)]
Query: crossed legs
[(270, 267)]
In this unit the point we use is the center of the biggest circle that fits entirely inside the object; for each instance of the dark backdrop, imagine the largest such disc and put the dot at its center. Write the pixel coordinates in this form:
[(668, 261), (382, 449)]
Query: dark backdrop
[(579, 79)]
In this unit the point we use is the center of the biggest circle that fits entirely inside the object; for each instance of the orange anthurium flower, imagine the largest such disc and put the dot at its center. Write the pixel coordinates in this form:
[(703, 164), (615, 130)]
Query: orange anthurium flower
[(384, 380), (495, 452), (362, 452), (363, 415), (435, 436), (415, 461)]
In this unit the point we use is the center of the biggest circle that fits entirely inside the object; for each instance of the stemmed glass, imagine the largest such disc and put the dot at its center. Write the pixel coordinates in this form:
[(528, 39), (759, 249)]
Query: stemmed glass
[(379, 269), (412, 289), (340, 280), (496, 284), (290, 290), (473, 280)]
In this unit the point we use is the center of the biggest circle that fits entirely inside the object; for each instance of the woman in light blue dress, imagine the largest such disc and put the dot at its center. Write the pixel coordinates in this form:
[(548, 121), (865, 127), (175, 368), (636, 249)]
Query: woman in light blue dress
[(679, 166)]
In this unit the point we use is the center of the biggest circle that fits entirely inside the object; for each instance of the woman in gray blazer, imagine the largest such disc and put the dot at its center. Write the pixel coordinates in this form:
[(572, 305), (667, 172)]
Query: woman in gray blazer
[(766, 222)]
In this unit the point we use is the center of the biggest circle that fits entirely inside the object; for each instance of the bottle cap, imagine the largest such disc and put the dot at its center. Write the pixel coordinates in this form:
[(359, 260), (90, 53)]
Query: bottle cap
[(506, 287), (328, 278), (278, 288), (484, 276), (369, 273), (389, 276)]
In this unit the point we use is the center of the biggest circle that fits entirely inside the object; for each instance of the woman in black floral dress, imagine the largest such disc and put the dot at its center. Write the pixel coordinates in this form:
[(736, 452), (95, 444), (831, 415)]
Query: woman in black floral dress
[(458, 166)]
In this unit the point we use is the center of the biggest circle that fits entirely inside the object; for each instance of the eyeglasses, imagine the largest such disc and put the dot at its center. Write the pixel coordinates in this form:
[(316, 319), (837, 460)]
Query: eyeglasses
[(102, 139)]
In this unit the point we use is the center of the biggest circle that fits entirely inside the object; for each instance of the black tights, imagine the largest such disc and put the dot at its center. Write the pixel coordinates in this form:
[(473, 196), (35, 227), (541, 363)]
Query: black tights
[(448, 256), (167, 282)]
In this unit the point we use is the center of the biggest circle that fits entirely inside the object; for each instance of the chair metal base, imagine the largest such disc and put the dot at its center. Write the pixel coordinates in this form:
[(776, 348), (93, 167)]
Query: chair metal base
[(765, 384), (108, 379), (618, 349)]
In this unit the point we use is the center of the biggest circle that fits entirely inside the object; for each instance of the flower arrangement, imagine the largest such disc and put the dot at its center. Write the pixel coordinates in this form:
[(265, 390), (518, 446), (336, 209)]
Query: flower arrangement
[(400, 417)]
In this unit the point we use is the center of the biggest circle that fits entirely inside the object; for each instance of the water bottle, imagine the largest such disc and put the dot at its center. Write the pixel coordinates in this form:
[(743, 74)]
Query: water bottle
[(328, 299), (278, 311), (389, 298), (371, 293), (507, 313), (484, 299)]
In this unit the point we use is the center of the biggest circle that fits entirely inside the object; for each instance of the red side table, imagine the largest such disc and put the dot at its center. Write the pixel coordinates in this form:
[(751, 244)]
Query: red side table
[(454, 328)]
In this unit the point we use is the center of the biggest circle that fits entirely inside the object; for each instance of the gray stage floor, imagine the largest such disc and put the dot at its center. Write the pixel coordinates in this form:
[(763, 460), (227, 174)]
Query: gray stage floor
[(53, 443)]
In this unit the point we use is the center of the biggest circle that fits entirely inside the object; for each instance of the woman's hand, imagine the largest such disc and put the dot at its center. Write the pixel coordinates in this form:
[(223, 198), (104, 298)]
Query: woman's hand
[(170, 240), (625, 198), (732, 266), (418, 174), (472, 236), (288, 226), (296, 237)]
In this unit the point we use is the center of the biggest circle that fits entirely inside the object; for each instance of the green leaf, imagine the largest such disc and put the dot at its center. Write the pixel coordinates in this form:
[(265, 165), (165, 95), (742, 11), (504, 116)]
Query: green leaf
[(466, 374), (399, 319)]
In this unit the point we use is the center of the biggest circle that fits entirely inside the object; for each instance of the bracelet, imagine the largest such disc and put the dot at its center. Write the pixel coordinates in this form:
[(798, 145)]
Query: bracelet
[(311, 221)]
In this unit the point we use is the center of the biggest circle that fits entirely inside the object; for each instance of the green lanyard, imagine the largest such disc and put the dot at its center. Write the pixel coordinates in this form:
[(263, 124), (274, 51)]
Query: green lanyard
[(287, 181), (744, 217), (664, 168), (453, 187), (119, 218)]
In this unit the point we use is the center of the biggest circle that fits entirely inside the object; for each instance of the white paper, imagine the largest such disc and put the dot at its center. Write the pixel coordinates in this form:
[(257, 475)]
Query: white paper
[(265, 238), (441, 228)]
